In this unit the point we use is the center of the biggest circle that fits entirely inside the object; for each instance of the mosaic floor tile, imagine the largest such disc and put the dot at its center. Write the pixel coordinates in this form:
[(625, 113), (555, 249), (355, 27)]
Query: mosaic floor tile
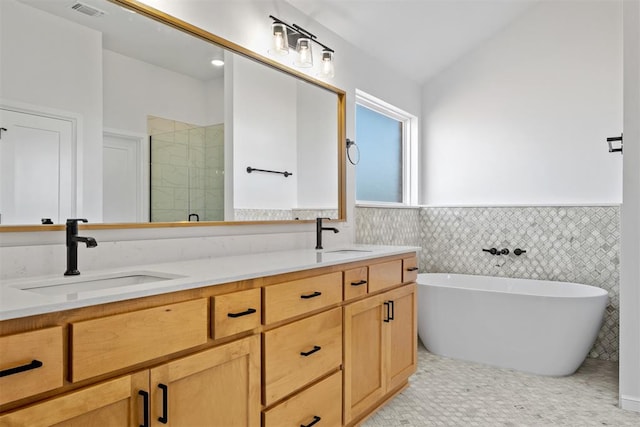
[(448, 392)]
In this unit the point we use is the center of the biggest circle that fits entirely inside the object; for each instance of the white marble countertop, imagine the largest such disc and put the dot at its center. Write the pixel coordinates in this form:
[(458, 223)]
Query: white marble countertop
[(16, 301)]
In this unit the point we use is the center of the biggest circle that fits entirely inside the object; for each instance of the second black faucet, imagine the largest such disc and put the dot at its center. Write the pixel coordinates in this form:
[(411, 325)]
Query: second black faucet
[(319, 229)]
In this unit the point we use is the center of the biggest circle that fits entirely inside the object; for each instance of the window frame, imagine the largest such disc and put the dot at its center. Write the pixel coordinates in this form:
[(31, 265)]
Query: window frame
[(409, 148)]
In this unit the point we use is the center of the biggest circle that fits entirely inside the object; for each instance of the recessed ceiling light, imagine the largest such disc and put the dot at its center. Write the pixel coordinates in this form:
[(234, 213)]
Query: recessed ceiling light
[(217, 62)]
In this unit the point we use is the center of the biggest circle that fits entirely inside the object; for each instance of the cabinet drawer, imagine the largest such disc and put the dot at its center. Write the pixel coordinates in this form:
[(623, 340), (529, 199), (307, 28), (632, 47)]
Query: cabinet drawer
[(31, 363), (409, 269), (297, 354), (321, 403), (236, 312), (290, 299), (384, 275), (355, 283), (105, 344)]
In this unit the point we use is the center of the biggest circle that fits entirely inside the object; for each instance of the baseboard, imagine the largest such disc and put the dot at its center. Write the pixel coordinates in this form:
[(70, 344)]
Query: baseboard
[(630, 403)]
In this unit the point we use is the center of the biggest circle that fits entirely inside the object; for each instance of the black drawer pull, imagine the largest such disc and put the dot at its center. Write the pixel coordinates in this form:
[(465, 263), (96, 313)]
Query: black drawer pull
[(310, 352), (361, 282), (34, 364), (145, 403), (243, 313), (313, 295), (164, 419), (412, 269), (316, 419), (387, 314), (393, 310)]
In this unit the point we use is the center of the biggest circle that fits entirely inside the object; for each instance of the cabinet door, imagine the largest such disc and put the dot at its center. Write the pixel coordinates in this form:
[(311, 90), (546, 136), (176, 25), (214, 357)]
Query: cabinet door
[(403, 335), (216, 387), (111, 403), (364, 344)]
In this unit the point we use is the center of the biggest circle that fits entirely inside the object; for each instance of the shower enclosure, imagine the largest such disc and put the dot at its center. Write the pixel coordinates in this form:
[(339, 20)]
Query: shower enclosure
[(187, 174)]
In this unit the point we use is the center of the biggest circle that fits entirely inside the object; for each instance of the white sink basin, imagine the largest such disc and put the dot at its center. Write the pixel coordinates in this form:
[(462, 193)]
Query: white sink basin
[(70, 285), (346, 251)]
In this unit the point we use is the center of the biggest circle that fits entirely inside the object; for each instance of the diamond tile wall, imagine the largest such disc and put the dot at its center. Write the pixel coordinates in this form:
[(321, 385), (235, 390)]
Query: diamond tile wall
[(570, 244)]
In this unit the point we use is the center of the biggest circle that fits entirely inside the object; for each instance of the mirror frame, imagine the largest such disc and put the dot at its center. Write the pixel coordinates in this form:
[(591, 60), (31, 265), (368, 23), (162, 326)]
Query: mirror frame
[(192, 30)]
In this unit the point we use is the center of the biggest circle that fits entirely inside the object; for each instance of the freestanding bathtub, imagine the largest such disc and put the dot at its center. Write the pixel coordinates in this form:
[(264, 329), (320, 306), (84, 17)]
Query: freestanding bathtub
[(535, 326)]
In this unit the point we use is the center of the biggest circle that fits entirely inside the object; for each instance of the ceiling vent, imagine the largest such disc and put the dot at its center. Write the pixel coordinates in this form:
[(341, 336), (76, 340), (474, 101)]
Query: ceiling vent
[(87, 10)]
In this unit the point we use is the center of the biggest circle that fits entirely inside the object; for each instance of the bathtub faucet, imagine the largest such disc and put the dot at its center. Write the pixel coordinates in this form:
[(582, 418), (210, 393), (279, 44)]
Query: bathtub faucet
[(492, 251)]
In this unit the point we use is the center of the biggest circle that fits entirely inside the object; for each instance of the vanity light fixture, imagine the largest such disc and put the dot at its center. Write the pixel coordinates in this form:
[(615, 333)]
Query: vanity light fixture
[(217, 62), (287, 37)]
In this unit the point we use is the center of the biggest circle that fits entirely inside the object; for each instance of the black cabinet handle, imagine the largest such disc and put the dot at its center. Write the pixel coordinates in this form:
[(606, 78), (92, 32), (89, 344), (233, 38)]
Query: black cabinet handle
[(316, 419), (361, 282), (242, 313), (392, 309), (145, 406), (412, 269), (313, 295), (386, 306), (34, 364), (165, 400), (310, 352)]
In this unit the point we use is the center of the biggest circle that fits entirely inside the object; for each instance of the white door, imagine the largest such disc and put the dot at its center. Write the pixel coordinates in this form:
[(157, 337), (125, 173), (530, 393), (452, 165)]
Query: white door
[(122, 184), (37, 171)]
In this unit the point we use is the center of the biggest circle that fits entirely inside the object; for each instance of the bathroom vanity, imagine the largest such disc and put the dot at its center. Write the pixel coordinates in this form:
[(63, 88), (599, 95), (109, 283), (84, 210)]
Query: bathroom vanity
[(295, 338)]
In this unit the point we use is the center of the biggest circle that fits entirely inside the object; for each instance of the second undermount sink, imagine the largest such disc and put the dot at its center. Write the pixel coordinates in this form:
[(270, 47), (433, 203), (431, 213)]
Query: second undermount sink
[(346, 251), (66, 286)]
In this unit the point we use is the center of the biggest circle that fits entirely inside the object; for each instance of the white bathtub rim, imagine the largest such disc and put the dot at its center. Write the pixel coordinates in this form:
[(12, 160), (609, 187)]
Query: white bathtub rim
[(585, 291)]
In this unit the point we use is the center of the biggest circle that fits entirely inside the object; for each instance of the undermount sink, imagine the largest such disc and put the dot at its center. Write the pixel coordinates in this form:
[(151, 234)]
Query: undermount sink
[(346, 251), (67, 286)]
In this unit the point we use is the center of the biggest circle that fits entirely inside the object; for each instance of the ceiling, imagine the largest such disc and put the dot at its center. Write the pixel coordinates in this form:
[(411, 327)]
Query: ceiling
[(139, 37), (417, 37)]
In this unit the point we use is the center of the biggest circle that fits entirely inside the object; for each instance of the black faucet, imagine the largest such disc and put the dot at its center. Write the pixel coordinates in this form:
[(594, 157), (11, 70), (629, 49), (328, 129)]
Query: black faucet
[(319, 229), (72, 245)]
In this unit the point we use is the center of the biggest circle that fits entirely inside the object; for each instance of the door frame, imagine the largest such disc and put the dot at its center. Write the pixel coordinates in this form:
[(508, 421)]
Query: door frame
[(77, 157)]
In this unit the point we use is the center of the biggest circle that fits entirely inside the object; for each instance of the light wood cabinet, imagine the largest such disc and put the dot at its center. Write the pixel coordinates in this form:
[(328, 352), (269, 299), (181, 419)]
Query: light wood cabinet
[(301, 352), (325, 346), (114, 342), (297, 297), (320, 404), (385, 275), (235, 312), (31, 363), (355, 283), (380, 348), (115, 402), (216, 387)]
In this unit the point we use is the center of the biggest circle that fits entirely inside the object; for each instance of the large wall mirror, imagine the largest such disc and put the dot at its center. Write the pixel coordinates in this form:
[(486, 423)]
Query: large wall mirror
[(113, 111)]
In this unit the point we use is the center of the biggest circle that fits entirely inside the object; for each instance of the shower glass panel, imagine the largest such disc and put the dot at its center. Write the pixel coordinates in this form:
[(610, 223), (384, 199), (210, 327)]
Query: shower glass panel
[(187, 174)]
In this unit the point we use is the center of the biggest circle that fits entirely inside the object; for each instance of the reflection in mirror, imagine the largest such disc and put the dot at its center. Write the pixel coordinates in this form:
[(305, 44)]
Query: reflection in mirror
[(141, 127)]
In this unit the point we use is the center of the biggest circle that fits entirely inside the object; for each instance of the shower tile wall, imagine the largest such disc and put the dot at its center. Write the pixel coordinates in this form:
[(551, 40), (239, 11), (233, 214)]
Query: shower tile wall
[(572, 244), (187, 171)]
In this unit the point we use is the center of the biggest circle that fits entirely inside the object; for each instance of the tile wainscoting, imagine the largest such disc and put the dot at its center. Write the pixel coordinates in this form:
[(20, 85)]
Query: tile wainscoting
[(578, 244)]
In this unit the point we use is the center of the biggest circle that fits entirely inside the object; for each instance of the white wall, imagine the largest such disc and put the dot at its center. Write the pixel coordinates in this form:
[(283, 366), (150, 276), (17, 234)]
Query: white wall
[(262, 98), (317, 126), (70, 83), (630, 216), (524, 118), (134, 89)]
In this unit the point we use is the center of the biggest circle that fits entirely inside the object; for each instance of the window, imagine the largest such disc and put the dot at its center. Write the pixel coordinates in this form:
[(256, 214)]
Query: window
[(387, 140)]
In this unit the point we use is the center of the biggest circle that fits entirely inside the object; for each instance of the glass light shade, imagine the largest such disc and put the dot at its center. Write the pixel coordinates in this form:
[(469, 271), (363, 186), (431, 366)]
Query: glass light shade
[(280, 43), (327, 68), (305, 55), (217, 62)]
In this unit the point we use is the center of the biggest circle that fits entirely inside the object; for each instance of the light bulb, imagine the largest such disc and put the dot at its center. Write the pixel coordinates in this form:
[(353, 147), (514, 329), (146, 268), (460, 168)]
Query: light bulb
[(327, 69), (280, 42), (305, 55)]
